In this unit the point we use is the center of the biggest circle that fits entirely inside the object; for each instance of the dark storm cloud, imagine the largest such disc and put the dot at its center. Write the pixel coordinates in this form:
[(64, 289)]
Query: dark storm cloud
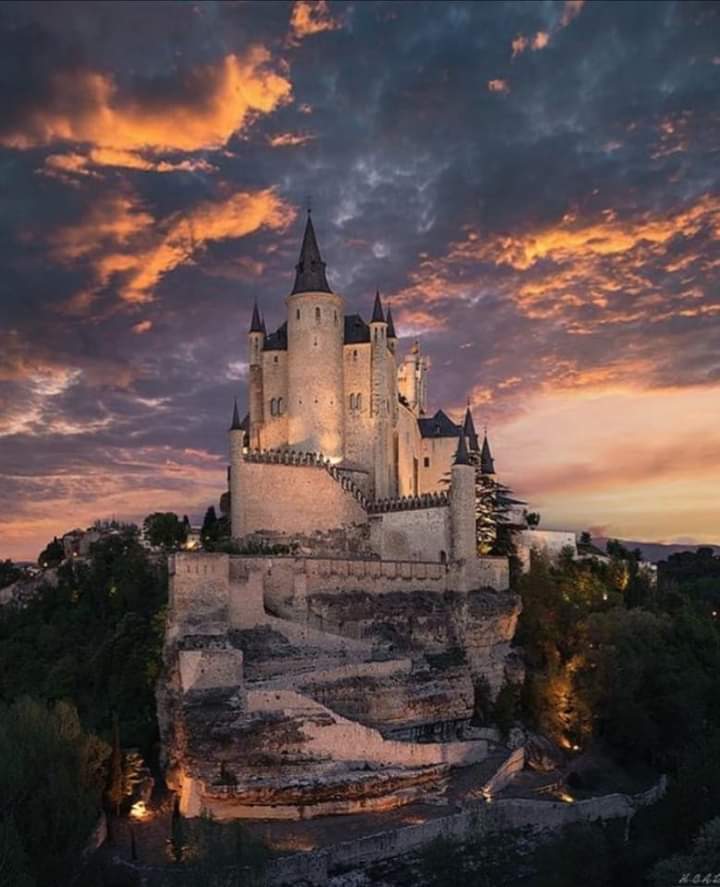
[(558, 232)]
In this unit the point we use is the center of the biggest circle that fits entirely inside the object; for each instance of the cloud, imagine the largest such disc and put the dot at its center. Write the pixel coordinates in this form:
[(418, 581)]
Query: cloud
[(290, 139), (143, 326), (519, 45), (571, 10), (499, 86), (311, 17), (200, 111), (540, 40), (145, 260)]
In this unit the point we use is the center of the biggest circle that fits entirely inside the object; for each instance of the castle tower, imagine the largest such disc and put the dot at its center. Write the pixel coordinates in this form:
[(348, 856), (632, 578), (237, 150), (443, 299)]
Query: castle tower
[(391, 334), (462, 506), (412, 381), (237, 436), (379, 406), (469, 431), (487, 463), (315, 348), (256, 400)]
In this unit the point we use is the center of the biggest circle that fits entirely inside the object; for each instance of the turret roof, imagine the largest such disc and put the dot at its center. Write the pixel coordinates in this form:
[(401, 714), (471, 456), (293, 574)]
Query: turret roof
[(461, 454), (487, 464), (391, 325), (277, 341), (235, 424), (256, 325), (377, 315), (469, 430), (310, 269)]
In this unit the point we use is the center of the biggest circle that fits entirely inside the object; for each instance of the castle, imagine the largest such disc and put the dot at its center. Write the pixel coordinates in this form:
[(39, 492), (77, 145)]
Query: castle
[(329, 390)]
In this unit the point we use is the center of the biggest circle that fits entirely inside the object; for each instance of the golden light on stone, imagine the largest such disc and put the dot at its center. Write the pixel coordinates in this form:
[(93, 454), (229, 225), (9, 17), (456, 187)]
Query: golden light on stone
[(140, 811)]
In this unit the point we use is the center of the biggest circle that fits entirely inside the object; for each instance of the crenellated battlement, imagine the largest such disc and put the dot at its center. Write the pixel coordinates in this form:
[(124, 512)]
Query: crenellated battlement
[(316, 460), (410, 503)]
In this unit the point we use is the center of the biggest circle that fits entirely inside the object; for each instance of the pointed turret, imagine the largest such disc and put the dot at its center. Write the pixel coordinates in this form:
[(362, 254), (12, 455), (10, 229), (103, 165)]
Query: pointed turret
[(256, 324), (310, 269), (469, 431), (487, 464), (378, 316), (461, 454), (235, 425), (391, 325)]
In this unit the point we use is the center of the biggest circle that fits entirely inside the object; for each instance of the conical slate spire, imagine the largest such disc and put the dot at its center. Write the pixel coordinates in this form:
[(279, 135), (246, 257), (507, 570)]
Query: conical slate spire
[(391, 325), (256, 325), (461, 454), (377, 316), (235, 426), (310, 269), (469, 430), (487, 464)]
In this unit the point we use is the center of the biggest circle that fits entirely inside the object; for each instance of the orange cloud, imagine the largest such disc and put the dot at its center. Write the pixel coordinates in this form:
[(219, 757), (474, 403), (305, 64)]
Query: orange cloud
[(143, 326), (311, 17), (540, 40), (290, 139), (181, 238), (571, 11), (217, 100), (498, 86)]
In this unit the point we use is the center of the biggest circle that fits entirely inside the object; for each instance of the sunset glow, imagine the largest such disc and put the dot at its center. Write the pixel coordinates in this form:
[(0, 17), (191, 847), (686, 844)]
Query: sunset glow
[(532, 187)]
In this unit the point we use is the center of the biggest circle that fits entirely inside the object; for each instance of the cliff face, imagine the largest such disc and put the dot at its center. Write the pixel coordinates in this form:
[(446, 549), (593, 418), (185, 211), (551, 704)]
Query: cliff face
[(347, 700)]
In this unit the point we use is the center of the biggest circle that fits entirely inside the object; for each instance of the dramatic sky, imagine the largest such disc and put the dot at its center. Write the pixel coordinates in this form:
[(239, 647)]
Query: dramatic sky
[(533, 187)]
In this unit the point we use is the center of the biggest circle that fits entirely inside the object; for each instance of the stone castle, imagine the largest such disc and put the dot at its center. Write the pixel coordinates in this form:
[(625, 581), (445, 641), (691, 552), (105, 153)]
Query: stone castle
[(343, 674), (327, 390)]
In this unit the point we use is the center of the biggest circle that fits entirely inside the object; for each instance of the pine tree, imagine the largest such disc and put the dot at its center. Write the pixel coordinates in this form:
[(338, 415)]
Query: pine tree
[(116, 781)]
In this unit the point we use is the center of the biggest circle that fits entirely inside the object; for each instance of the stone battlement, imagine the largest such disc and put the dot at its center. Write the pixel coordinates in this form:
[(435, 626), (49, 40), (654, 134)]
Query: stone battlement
[(409, 503), (317, 460)]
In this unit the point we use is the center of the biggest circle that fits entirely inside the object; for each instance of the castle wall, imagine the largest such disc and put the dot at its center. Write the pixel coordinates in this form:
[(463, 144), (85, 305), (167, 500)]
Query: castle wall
[(315, 373), (275, 389), (289, 499), (440, 453), (419, 534), (199, 588), (409, 449)]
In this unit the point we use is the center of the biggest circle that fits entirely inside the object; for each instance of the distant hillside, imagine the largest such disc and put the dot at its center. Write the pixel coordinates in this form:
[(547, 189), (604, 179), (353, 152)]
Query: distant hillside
[(654, 551)]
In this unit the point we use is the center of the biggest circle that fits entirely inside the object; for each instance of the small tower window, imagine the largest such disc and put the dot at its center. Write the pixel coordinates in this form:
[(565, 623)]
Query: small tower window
[(358, 401), (317, 315), (273, 407), (336, 318), (426, 461), (352, 401), (280, 406), (275, 360), (297, 314), (355, 354)]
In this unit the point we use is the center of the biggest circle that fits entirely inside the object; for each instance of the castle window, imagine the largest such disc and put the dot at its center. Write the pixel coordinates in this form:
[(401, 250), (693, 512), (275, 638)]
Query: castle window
[(358, 401), (354, 353), (275, 360), (317, 315), (280, 406), (336, 318), (426, 461), (352, 401), (297, 314), (273, 407)]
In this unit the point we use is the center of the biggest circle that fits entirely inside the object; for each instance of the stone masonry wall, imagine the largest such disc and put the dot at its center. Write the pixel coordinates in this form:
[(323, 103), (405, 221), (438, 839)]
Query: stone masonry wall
[(419, 534), (289, 499)]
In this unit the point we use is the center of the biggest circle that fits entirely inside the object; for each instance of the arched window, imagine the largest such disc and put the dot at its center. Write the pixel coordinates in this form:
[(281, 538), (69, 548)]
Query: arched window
[(273, 407), (280, 406), (352, 401), (317, 315), (358, 401)]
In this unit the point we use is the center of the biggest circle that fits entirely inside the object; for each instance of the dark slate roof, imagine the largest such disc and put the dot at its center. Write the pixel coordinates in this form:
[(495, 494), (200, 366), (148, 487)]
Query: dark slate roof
[(277, 341), (256, 325), (356, 330), (310, 269), (245, 424), (235, 424), (487, 464), (461, 454), (439, 425), (470, 433), (377, 315), (391, 325)]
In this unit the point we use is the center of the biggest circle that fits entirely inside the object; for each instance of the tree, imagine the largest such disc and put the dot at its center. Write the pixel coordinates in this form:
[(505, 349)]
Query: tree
[(53, 554), (115, 785), (9, 573), (585, 538), (210, 531), (164, 529), (703, 858), (51, 779), (532, 518)]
